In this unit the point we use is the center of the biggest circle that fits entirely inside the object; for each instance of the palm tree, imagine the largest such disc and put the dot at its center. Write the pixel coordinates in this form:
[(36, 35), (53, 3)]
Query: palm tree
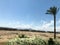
[(53, 11)]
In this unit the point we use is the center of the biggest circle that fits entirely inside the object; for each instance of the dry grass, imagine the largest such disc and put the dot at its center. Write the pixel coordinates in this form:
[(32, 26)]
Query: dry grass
[(6, 35)]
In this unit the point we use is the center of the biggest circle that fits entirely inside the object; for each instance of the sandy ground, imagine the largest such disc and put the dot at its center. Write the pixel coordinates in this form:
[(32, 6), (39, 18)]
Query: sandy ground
[(6, 35)]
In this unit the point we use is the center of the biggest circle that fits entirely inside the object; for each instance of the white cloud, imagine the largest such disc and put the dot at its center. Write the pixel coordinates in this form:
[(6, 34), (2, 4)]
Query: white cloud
[(44, 25), (48, 24)]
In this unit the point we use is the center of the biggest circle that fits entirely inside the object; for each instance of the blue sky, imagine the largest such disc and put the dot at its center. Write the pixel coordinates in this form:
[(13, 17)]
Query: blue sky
[(28, 14)]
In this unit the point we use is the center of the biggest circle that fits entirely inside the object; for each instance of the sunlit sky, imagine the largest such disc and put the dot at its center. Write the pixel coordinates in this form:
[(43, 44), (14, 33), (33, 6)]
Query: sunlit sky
[(28, 14)]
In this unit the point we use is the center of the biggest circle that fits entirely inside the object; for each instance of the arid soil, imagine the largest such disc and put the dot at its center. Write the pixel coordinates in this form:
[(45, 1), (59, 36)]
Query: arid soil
[(6, 35)]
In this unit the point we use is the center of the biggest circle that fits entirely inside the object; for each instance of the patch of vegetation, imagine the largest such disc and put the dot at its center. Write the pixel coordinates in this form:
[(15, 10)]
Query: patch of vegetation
[(27, 41), (51, 42), (22, 36), (33, 41)]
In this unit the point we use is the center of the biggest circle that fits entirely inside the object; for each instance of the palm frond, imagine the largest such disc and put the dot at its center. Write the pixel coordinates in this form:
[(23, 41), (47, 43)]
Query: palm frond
[(52, 10)]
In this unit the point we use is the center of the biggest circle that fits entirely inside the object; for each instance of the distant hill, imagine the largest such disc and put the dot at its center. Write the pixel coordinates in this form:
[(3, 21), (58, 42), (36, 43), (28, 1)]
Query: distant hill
[(32, 30), (6, 28), (15, 29)]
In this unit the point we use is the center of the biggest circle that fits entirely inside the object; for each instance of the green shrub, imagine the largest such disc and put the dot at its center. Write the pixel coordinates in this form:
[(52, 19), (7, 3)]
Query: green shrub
[(51, 42), (22, 36), (33, 41)]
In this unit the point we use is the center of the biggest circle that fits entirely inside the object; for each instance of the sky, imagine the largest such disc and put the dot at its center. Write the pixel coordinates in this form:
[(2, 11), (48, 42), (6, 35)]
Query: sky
[(28, 14)]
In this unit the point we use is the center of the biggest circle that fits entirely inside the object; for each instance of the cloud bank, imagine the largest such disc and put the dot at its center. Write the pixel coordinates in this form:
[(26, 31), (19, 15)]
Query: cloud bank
[(44, 25)]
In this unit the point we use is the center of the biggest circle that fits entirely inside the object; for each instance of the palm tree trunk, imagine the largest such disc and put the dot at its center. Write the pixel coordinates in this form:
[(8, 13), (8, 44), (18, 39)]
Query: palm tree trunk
[(54, 26)]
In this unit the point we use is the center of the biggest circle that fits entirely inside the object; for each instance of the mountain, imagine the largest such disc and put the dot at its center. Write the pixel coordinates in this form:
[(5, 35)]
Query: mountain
[(31, 30)]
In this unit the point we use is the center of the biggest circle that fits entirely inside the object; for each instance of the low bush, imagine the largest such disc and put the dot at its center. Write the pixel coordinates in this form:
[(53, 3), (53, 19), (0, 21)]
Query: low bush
[(33, 41), (28, 41), (22, 36)]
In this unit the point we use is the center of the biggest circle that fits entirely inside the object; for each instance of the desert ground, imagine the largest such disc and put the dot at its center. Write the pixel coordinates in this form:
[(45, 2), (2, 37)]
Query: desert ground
[(6, 35)]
